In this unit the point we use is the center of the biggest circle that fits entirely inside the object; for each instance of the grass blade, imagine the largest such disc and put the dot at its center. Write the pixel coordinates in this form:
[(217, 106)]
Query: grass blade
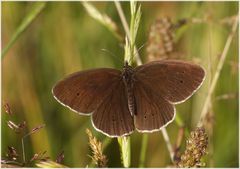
[(24, 25), (103, 19)]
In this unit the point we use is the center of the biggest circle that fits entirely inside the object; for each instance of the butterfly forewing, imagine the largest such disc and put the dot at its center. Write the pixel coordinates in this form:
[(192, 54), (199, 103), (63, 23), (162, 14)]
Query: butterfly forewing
[(84, 91), (152, 111), (112, 116), (173, 80)]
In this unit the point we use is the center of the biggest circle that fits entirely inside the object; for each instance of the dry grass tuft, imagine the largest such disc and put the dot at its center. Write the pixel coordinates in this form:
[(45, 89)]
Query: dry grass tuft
[(98, 157), (195, 149)]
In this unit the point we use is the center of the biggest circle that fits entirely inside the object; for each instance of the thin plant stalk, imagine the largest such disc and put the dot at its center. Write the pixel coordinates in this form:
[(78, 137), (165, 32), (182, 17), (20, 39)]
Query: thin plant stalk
[(126, 28), (122, 17), (169, 145), (125, 151), (131, 34), (23, 151), (24, 25), (125, 147), (143, 151), (34, 130), (102, 18), (217, 73), (124, 142)]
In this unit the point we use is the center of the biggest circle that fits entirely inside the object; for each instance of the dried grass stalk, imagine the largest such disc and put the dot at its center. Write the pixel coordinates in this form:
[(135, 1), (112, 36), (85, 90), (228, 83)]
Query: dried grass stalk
[(98, 157)]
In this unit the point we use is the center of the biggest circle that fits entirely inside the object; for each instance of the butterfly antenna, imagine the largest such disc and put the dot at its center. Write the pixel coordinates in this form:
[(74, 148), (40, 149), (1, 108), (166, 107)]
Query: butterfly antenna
[(112, 54), (141, 46), (135, 54)]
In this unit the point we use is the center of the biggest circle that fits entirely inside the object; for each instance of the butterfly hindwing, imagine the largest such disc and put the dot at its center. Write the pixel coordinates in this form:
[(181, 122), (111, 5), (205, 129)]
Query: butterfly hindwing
[(112, 116), (152, 111)]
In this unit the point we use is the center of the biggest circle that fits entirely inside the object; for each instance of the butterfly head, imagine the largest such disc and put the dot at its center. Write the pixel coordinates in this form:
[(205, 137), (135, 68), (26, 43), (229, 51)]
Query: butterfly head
[(126, 65)]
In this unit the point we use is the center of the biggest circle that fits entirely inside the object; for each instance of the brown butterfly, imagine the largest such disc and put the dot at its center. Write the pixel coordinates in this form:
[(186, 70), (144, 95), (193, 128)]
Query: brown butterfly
[(141, 97)]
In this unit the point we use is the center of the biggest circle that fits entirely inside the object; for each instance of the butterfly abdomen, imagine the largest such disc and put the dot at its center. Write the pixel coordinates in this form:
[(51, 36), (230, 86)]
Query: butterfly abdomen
[(131, 101), (128, 81)]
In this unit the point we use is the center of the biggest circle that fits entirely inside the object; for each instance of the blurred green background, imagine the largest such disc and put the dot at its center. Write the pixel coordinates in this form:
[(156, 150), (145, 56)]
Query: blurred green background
[(64, 39)]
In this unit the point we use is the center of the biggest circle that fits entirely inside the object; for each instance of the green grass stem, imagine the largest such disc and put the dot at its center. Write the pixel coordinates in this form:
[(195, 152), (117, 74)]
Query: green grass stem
[(124, 142), (125, 148), (143, 150)]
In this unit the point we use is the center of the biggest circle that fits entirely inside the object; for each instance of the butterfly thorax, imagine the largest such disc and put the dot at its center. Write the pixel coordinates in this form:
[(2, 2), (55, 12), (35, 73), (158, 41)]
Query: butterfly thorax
[(127, 74)]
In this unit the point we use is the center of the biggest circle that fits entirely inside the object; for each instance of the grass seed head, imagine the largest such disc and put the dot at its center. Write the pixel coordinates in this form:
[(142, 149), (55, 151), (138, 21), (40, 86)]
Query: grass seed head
[(195, 149), (98, 157)]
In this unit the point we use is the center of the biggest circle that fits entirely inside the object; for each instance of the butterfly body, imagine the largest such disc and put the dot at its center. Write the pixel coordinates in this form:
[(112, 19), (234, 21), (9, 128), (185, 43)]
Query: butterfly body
[(140, 98), (127, 76)]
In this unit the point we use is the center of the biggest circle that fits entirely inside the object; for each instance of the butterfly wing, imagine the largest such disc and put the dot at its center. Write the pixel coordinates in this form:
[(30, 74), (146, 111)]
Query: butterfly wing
[(112, 116), (173, 80), (83, 91), (152, 111)]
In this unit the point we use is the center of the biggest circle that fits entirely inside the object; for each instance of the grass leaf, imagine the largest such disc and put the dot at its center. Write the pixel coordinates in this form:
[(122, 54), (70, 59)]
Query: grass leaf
[(24, 25)]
